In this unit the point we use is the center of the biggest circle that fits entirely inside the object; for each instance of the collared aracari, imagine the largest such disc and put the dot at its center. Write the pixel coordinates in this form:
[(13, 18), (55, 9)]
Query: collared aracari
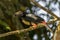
[(31, 20)]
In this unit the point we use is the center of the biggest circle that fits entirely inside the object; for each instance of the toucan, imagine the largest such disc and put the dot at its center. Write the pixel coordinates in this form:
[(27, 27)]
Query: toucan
[(28, 19)]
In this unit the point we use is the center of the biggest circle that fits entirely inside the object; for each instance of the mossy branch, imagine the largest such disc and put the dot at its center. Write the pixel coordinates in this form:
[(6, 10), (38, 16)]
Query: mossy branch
[(20, 31)]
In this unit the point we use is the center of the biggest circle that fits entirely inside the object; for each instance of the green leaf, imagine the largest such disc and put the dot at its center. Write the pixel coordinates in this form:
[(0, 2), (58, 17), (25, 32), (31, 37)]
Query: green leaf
[(5, 25)]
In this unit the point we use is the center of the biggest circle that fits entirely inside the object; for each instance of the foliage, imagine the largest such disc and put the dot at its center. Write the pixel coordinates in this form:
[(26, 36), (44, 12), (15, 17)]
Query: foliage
[(10, 22)]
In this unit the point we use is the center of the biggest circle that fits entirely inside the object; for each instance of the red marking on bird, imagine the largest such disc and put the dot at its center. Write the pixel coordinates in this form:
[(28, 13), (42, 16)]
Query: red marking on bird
[(43, 22), (34, 25)]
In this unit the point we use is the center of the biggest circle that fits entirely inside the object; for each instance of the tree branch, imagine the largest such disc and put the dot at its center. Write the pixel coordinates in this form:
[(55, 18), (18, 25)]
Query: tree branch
[(20, 31), (48, 11)]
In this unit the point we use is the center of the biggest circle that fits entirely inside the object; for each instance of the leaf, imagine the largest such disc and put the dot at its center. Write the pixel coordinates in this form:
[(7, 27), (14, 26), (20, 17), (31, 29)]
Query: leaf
[(5, 24)]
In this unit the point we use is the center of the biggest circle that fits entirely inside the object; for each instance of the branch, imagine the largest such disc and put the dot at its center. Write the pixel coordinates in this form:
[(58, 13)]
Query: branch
[(48, 11), (15, 32), (57, 32), (52, 21), (20, 31)]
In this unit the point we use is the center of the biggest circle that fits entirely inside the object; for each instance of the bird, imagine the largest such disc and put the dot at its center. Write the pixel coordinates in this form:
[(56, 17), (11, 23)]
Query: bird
[(29, 19)]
